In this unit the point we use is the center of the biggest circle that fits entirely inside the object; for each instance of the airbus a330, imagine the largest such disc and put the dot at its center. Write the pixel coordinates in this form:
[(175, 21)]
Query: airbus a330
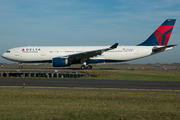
[(61, 56)]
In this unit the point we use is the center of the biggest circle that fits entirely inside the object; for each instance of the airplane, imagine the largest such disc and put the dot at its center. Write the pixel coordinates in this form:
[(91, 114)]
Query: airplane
[(61, 56)]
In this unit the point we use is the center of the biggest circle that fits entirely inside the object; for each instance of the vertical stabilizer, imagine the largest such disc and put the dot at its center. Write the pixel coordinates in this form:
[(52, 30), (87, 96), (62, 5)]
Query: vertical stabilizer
[(161, 36)]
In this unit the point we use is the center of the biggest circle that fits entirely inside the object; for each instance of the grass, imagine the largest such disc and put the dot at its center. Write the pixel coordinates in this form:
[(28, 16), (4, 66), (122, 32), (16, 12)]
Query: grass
[(48, 104), (26, 66), (131, 75), (156, 74), (124, 66), (135, 75)]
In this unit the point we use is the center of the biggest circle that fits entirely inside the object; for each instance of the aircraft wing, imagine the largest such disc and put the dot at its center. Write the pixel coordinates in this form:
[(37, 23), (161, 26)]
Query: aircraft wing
[(88, 54), (160, 49)]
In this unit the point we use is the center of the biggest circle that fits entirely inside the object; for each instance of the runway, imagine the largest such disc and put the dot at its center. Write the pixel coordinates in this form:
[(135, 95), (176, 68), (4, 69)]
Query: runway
[(91, 84)]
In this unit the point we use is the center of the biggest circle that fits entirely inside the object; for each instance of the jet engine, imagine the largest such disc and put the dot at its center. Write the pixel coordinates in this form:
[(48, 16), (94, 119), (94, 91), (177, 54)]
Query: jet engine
[(60, 62)]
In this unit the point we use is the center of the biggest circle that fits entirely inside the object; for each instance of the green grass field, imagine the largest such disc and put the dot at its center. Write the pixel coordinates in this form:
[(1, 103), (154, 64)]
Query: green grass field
[(55, 104), (157, 74), (135, 75), (58, 104), (125, 66)]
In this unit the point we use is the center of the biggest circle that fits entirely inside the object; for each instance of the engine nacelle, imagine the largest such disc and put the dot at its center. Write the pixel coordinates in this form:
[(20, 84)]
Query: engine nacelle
[(59, 62)]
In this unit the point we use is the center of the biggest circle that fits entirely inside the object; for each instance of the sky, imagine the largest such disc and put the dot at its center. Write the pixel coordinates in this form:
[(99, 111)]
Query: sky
[(87, 23)]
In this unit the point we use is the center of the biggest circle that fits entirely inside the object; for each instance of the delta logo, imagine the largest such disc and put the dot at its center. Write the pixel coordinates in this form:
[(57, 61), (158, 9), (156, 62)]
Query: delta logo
[(31, 50), (127, 49)]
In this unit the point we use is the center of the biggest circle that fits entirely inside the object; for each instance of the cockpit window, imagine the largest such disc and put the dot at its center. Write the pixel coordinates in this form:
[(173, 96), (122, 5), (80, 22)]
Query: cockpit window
[(8, 51)]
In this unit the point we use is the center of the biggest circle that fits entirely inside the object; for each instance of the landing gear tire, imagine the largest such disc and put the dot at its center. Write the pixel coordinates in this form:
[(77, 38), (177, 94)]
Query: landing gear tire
[(89, 67), (86, 67), (83, 67)]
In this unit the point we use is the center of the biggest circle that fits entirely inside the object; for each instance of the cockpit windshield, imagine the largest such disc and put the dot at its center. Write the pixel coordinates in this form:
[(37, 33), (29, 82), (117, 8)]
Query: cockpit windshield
[(7, 51)]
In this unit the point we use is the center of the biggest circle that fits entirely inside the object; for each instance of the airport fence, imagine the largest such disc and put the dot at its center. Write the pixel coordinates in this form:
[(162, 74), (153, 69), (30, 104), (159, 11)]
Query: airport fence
[(45, 74)]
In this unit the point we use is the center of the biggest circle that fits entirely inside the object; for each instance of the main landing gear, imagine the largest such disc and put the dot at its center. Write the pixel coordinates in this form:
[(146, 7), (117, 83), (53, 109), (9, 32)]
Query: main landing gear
[(86, 67), (20, 66)]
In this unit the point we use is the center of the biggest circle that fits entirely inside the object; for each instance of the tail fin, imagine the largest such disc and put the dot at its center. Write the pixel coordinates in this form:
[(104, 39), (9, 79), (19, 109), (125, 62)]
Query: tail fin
[(161, 36)]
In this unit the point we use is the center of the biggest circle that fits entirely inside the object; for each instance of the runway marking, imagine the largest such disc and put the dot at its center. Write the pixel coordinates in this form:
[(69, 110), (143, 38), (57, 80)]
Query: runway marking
[(86, 88)]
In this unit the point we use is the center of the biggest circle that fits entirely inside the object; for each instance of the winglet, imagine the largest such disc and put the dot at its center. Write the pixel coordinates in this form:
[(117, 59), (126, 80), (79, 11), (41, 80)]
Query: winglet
[(114, 46)]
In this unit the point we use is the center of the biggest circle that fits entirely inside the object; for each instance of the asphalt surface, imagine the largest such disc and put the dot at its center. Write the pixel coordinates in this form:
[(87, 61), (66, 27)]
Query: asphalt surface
[(89, 83)]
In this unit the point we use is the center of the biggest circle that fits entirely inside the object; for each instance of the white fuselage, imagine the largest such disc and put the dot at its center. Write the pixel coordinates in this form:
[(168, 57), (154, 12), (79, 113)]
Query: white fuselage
[(46, 54)]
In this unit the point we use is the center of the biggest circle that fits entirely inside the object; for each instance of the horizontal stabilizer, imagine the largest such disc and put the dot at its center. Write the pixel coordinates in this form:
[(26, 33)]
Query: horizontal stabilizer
[(158, 49)]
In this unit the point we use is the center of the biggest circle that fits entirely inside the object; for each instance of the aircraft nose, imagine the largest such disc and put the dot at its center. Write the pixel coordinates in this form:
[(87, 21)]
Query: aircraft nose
[(3, 55)]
